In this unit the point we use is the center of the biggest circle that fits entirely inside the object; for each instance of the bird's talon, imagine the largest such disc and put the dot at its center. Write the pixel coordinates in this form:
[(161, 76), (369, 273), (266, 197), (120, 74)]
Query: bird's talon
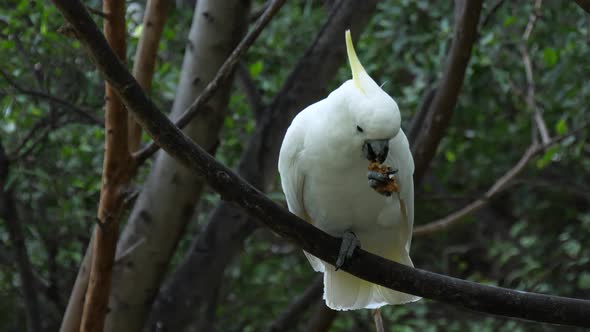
[(349, 243), (392, 171)]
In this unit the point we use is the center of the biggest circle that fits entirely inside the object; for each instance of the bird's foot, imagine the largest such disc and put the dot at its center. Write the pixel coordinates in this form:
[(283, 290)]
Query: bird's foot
[(349, 243)]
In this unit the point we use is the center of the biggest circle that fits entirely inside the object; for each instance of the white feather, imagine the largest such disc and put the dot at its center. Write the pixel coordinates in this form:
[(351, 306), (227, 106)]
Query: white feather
[(324, 178)]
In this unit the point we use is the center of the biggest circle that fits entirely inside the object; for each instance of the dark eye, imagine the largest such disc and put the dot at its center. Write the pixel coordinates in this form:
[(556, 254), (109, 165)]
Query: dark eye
[(359, 129)]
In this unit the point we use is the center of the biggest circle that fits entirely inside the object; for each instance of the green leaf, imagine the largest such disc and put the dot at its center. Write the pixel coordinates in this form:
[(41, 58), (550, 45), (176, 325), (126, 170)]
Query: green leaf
[(509, 20), (547, 157), (561, 127), (450, 156), (550, 56), (256, 68)]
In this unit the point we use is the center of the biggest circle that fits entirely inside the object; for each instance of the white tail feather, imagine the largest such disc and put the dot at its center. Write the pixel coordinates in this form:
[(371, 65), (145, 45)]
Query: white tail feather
[(343, 291)]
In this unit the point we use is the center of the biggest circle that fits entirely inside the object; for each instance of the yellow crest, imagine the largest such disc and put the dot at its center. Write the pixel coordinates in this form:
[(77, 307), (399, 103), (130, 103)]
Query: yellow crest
[(355, 65)]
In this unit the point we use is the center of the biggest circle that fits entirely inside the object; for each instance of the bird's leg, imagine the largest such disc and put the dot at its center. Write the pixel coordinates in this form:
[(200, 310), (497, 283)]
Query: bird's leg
[(349, 243), (378, 320)]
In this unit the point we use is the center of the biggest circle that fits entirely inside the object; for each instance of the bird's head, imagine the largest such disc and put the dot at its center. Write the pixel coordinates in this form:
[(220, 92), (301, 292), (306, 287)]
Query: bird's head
[(375, 114)]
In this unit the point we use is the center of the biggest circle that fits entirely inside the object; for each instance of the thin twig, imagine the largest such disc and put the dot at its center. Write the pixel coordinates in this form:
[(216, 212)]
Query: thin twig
[(528, 66), (29, 136), (558, 186), (18, 155), (491, 13), (251, 91), (34, 139), (498, 187), (530, 97), (85, 113), (97, 12), (223, 74), (532, 20), (470, 208)]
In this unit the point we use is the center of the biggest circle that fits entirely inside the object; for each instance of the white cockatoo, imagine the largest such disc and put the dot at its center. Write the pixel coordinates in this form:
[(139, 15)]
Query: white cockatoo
[(323, 165)]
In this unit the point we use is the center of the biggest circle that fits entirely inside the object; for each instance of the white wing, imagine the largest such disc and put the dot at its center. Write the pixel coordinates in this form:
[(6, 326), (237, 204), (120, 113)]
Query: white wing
[(292, 176), (400, 157)]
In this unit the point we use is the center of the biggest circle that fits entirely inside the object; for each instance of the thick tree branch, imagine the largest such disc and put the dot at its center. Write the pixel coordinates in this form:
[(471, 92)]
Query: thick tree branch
[(493, 300), (441, 109), (117, 169), (154, 18), (221, 77)]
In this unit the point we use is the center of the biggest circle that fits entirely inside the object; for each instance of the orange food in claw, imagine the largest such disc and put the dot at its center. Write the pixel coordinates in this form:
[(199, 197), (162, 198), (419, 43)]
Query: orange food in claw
[(388, 187)]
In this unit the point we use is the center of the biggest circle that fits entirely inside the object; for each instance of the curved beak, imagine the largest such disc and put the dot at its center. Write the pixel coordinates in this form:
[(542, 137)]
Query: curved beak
[(376, 149)]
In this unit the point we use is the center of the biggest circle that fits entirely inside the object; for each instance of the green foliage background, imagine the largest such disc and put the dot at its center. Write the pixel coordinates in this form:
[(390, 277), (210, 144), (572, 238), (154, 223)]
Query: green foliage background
[(533, 237)]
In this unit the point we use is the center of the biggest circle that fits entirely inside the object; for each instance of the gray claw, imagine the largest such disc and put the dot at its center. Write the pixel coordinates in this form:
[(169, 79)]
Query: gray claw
[(377, 177), (349, 243)]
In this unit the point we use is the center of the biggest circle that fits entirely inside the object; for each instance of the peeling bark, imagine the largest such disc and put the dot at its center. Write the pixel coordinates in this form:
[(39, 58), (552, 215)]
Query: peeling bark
[(115, 178), (166, 203)]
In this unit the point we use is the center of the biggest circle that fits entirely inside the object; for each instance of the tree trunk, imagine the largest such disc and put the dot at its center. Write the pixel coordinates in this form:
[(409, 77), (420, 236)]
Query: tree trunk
[(117, 169), (189, 291), (169, 195), (440, 110), (143, 68), (154, 18)]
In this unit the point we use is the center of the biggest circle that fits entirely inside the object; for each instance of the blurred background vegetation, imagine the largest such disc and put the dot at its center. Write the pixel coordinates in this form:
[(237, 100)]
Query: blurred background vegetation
[(534, 236)]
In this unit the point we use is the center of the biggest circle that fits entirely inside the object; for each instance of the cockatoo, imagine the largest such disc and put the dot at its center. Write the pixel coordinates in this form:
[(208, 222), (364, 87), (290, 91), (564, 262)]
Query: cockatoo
[(323, 166)]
